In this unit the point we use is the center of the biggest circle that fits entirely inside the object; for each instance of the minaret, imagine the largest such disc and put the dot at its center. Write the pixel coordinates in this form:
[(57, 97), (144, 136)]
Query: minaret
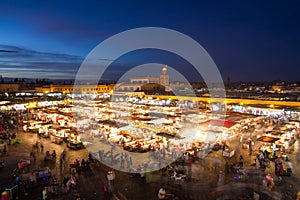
[(164, 78)]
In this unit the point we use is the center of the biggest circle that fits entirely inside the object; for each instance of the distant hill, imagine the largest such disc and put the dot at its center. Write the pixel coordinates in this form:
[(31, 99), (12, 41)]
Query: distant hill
[(41, 81), (30, 80)]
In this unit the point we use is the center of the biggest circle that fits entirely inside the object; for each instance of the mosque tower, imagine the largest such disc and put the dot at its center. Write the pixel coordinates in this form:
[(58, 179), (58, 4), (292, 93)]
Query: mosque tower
[(164, 78)]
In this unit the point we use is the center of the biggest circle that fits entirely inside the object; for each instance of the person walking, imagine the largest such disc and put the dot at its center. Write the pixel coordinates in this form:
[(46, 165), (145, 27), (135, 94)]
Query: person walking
[(65, 181), (111, 177), (241, 162), (36, 146), (122, 160), (42, 146), (250, 148), (101, 154), (105, 192), (44, 193)]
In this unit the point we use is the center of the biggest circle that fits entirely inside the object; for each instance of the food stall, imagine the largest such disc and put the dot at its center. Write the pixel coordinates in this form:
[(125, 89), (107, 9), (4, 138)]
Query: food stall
[(74, 141), (268, 145), (33, 126), (44, 130), (59, 135)]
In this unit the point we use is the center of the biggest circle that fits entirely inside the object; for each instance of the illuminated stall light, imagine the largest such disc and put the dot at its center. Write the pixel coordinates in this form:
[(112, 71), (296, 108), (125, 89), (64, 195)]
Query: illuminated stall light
[(4, 102), (19, 107), (54, 94)]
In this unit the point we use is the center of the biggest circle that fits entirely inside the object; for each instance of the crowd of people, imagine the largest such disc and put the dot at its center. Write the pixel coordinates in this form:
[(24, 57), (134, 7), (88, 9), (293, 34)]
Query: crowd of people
[(9, 122)]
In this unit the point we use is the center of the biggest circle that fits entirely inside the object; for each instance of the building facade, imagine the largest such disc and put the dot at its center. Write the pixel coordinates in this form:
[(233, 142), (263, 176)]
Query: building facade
[(145, 80), (10, 87), (80, 89)]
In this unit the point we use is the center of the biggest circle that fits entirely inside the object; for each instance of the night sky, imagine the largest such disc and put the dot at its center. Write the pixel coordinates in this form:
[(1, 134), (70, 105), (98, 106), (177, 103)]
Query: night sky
[(248, 40)]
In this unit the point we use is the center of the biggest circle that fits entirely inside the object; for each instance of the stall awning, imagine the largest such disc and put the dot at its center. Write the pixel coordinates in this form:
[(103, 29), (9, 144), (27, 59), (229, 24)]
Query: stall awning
[(226, 123), (275, 133), (167, 135), (268, 139)]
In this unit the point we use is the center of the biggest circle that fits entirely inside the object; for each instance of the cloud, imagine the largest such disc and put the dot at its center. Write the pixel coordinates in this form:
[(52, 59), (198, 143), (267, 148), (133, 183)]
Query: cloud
[(21, 62)]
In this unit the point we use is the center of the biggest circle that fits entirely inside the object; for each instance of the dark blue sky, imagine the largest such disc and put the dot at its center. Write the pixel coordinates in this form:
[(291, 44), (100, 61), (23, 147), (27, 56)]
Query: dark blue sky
[(248, 40)]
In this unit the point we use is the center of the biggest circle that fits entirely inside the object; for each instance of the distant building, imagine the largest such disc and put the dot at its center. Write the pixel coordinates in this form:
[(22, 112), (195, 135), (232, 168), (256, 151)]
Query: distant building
[(146, 83), (80, 89), (129, 87), (144, 80), (9, 87), (277, 88), (43, 89), (153, 88)]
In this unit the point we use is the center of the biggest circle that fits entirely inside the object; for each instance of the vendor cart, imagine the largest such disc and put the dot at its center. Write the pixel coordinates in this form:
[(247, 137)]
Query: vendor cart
[(74, 145)]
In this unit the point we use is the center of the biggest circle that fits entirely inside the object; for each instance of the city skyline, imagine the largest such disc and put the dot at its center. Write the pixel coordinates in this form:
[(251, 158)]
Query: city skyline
[(255, 41)]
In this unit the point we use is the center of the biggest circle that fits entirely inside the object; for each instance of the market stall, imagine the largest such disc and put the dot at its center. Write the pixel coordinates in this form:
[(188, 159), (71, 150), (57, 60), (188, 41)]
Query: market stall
[(33, 126), (44, 130), (59, 135), (74, 141)]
